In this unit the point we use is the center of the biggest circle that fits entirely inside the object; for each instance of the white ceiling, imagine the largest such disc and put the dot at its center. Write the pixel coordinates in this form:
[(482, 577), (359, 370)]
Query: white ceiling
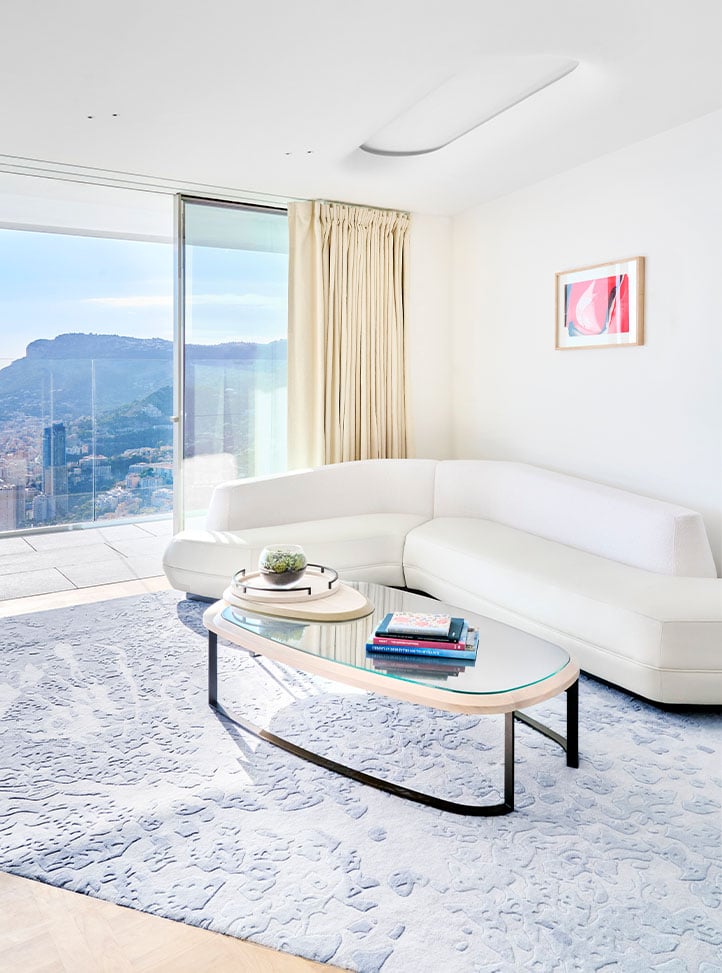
[(220, 92)]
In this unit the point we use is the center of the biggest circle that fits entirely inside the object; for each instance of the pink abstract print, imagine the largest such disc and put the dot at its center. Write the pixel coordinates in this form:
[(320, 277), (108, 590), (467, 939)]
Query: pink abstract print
[(596, 307)]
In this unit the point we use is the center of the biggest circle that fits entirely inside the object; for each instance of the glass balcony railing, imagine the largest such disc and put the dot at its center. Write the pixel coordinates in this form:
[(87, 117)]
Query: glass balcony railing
[(84, 440)]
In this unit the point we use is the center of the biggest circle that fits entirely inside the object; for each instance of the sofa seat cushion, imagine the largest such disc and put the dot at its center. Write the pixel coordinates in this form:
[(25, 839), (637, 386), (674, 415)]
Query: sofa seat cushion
[(363, 547), (649, 619)]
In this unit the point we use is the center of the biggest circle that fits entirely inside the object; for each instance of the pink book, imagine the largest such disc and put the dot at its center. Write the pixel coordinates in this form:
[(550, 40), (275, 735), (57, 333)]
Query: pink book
[(418, 623), (417, 643)]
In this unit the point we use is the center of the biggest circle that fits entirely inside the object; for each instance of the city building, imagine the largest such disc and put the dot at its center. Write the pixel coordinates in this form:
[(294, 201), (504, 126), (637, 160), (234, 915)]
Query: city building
[(55, 469), (14, 468), (12, 506), (43, 509)]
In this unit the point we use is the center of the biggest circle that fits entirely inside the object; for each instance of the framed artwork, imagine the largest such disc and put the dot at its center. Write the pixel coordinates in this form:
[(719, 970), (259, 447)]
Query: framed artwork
[(602, 306)]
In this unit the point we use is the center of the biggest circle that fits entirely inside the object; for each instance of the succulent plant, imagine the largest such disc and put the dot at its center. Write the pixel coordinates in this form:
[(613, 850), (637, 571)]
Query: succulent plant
[(283, 559)]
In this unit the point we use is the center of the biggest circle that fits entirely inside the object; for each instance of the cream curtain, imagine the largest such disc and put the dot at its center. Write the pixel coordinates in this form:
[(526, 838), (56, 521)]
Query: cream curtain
[(346, 337)]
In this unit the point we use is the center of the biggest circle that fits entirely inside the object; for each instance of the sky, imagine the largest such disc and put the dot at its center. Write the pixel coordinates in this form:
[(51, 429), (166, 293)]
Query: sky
[(54, 283)]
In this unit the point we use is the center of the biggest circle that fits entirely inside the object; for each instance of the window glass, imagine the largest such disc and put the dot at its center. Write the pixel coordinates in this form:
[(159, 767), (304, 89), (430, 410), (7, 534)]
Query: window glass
[(236, 262), (86, 329)]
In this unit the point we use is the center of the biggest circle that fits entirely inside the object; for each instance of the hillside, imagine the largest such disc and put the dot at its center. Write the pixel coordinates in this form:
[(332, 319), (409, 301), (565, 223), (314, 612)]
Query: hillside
[(77, 375)]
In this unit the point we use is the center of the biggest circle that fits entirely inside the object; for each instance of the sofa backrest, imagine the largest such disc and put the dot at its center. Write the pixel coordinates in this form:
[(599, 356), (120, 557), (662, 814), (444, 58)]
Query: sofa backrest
[(612, 523), (403, 486)]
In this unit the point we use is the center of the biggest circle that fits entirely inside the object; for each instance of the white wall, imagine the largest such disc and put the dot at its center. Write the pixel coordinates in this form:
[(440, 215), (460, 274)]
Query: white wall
[(644, 418), (428, 323)]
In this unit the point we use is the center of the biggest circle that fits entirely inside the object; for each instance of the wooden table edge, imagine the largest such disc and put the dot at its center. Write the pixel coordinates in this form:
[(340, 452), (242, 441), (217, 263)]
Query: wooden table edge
[(444, 699)]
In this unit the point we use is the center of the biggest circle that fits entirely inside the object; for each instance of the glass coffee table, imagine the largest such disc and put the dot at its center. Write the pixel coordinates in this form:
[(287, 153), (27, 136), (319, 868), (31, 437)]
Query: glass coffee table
[(513, 670)]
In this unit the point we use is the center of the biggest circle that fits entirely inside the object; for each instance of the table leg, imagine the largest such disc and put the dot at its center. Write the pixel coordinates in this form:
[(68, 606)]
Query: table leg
[(480, 810), (570, 744), (509, 760), (212, 669), (573, 725)]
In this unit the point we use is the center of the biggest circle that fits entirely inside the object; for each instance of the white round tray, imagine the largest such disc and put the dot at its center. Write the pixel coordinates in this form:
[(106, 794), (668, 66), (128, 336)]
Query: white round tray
[(341, 604)]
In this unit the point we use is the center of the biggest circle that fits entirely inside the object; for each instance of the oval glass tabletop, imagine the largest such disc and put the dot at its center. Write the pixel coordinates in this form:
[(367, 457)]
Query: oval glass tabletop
[(507, 658)]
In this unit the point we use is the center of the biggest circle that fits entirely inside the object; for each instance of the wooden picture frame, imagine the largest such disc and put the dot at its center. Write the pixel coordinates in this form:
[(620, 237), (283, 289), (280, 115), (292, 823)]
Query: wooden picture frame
[(600, 306)]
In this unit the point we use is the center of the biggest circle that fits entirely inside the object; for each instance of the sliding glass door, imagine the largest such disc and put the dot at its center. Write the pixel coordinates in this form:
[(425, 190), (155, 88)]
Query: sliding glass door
[(105, 413), (231, 349)]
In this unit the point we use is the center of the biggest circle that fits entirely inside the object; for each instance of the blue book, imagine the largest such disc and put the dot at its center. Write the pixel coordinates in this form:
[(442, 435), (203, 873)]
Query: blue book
[(441, 651)]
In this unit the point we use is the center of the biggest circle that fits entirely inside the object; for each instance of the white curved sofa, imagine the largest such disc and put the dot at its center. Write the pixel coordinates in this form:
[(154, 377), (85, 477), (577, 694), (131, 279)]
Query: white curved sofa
[(626, 583)]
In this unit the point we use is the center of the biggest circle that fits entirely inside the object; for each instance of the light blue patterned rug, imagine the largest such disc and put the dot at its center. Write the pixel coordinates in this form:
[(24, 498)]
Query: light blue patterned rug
[(118, 781)]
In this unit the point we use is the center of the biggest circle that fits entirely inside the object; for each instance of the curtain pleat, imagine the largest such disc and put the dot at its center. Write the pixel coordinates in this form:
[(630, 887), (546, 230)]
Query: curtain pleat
[(347, 338)]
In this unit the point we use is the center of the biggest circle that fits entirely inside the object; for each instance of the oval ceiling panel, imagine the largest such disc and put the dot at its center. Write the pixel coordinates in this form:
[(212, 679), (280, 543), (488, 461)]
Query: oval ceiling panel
[(465, 101)]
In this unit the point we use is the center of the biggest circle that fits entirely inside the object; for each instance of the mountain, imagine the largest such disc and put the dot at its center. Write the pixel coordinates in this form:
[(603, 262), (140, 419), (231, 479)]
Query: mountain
[(82, 346), (142, 423), (77, 375)]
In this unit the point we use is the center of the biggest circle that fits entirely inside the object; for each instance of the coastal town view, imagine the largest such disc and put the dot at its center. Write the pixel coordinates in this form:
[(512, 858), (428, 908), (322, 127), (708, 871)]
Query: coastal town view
[(45, 482), (84, 439), (87, 372), (85, 423)]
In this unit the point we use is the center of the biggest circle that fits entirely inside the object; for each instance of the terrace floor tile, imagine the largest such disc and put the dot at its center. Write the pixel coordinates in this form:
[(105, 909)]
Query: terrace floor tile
[(159, 528), (64, 538), (42, 563), (14, 545), (146, 546), (99, 572), (144, 566), (122, 532), (28, 583)]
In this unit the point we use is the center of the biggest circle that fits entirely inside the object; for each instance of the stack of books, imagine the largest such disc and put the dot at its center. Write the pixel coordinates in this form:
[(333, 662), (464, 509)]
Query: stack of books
[(419, 666), (418, 633)]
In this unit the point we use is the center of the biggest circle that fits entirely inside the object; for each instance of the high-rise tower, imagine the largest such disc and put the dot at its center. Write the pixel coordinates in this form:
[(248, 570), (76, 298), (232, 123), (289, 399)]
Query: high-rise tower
[(55, 467)]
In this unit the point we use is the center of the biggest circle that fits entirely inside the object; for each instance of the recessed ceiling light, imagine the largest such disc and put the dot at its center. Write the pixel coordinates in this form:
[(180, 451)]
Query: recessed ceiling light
[(465, 101)]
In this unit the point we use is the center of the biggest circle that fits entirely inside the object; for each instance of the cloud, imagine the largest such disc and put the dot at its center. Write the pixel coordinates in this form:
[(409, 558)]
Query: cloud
[(239, 300), (140, 300), (198, 300)]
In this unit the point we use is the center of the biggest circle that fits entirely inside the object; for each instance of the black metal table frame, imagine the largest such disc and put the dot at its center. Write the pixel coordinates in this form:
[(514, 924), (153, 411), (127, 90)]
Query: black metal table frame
[(570, 744)]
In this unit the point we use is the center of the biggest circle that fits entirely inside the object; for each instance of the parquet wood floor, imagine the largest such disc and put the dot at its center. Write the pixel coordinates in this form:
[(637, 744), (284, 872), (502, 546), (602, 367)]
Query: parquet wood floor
[(48, 930)]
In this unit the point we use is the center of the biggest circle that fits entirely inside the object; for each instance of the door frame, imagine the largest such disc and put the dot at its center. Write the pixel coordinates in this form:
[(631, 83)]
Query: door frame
[(179, 332)]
